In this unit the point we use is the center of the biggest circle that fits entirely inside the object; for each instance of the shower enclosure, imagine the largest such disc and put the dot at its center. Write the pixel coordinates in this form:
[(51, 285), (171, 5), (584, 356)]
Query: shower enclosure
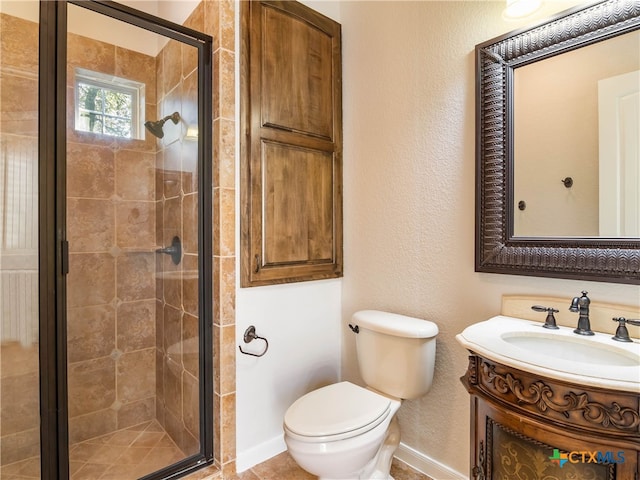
[(105, 242)]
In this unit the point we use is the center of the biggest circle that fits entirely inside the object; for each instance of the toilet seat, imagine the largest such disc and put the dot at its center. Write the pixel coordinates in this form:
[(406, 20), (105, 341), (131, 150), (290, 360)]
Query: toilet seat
[(336, 412)]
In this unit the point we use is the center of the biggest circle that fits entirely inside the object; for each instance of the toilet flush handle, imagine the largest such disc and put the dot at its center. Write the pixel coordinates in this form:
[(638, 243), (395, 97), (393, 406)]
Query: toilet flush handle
[(354, 329)]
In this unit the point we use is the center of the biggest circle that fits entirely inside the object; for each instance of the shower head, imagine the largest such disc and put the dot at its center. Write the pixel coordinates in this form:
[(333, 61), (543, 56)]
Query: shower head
[(155, 128)]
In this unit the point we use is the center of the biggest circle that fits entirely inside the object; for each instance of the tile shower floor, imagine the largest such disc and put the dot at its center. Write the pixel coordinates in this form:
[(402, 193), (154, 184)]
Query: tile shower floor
[(123, 455)]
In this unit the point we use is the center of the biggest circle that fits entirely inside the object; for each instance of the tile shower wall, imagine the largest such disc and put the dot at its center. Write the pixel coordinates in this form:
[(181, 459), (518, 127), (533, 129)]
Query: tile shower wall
[(217, 18), (176, 196), (219, 22), (111, 286), (19, 406)]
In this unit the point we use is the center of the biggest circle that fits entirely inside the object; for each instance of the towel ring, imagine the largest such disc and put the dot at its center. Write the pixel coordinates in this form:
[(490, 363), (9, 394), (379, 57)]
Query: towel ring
[(249, 336)]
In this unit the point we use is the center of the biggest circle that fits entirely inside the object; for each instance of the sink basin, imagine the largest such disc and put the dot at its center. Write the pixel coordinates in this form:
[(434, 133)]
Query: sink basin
[(590, 360), (566, 348)]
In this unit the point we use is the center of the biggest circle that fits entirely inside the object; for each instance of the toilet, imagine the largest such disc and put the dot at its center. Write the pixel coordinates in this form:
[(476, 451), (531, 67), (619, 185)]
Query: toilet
[(345, 431)]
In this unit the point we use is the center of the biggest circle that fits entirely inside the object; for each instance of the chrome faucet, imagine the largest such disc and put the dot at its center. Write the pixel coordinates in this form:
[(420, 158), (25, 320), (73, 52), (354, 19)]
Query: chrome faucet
[(581, 305)]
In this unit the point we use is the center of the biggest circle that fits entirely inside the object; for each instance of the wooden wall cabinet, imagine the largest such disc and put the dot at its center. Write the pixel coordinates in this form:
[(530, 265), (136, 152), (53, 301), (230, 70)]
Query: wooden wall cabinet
[(291, 144), (520, 422)]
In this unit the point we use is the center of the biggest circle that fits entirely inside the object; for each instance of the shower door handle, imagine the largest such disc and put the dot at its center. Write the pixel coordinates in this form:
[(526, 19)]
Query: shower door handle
[(64, 257)]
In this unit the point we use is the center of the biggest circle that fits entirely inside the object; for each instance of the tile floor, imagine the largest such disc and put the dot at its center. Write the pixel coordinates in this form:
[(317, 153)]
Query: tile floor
[(132, 453), (283, 467)]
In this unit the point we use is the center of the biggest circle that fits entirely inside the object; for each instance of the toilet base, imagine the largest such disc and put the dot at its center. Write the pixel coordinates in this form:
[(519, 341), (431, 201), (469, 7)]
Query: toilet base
[(380, 466), (327, 478), (388, 477), (377, 468)]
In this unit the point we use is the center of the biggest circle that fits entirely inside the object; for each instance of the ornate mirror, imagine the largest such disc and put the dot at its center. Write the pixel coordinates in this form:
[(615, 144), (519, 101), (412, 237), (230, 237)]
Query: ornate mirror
[(558, 147)]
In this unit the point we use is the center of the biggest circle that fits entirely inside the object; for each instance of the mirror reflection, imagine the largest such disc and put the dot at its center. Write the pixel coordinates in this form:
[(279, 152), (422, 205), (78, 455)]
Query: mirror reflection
[(576, 142)]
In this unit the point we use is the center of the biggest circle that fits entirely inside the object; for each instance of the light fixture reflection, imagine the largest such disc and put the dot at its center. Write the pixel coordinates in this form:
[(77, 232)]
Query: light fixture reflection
[(192, 132), (520, 8)]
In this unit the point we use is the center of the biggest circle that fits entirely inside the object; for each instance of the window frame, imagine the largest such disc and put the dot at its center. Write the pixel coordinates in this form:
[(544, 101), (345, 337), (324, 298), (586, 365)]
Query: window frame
[(115, 84)]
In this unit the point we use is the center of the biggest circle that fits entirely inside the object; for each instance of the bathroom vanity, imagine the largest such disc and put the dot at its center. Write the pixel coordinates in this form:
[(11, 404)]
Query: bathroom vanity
[(547, 403), (520, 422)]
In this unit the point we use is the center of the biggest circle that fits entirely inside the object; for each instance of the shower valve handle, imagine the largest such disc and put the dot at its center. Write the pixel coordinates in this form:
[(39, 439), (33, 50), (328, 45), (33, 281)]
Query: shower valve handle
[(174, 250)]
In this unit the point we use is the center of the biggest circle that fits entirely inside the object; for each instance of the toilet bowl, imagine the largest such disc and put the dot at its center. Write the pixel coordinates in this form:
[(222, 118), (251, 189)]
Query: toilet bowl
[(334, 432), (345, 431)]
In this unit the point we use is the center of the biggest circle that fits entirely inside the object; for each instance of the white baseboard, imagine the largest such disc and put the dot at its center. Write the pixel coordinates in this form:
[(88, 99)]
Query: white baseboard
[(260, 453), (424, 464)]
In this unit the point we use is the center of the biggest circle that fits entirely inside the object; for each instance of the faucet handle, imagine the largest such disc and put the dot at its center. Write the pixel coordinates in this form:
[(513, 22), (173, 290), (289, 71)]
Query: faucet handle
[(622, 333), (550, 321)]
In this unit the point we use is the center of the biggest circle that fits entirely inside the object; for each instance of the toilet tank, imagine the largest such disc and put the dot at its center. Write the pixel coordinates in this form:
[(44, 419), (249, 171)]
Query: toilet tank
[(396, 353)]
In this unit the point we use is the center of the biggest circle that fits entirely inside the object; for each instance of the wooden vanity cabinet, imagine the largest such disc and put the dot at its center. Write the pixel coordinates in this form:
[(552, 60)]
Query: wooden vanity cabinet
[(523, 425)]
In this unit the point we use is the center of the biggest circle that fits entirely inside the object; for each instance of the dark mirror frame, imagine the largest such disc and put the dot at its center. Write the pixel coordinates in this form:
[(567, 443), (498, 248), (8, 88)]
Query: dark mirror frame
[(497, 250)]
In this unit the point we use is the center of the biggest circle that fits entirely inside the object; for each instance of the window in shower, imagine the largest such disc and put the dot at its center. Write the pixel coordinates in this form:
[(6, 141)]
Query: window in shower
[(107, 104)]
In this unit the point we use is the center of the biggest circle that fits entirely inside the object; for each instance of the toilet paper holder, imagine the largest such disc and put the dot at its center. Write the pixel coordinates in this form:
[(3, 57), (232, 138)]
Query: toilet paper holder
[(249, 336)]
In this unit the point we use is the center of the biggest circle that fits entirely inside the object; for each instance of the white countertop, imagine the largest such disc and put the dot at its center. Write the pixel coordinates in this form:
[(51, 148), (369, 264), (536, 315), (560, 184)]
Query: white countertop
[(596, 360)]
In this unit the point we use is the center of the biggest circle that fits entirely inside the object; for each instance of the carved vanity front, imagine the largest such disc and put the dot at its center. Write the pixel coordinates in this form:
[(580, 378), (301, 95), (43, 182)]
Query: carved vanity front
[(526, 426)]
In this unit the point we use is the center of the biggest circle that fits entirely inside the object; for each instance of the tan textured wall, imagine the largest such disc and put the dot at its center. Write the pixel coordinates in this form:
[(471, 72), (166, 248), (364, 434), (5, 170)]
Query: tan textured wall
[(409, 183)]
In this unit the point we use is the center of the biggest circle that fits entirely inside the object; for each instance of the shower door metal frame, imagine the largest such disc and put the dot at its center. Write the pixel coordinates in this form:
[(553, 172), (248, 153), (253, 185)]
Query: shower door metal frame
[(52, 266), (53, 245)]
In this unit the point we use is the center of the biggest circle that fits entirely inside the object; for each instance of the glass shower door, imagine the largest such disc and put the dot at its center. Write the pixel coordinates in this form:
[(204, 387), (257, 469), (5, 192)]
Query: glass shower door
[(19, 330), (134, 226)]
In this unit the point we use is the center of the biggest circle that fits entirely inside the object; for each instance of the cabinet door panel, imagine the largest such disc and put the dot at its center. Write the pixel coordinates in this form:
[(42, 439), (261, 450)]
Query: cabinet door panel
[(509, 446), (291, 46), (298, 205), (516, 456)]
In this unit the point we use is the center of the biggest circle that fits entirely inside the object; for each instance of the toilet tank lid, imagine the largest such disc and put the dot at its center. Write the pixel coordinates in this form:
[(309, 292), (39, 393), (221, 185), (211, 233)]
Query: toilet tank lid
[(395, 324)]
